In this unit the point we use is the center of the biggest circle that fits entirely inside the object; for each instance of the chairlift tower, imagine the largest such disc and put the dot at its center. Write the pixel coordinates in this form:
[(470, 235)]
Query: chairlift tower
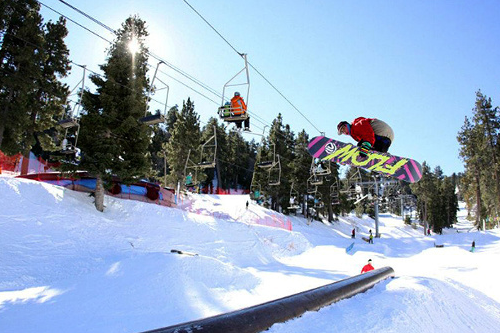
[(379, 184)]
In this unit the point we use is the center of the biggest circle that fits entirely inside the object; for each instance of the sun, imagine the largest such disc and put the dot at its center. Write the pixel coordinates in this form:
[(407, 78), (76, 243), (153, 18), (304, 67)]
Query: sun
[(134, 46)]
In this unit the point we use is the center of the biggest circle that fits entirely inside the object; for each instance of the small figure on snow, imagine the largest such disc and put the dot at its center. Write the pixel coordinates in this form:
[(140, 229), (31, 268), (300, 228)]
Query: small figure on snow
[(247, 204), (189, 179), (370, 239), (368, 267), (473, 247), (428, 231), (353, 234), (370, 133), (239, 108)]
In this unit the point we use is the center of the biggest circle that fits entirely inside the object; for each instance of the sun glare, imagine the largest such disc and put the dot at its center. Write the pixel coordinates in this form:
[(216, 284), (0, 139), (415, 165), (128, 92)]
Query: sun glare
[(134, 46)]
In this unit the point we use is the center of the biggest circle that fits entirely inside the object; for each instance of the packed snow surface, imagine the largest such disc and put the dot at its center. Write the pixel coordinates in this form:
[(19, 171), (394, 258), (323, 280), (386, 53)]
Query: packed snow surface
[(67, 267)]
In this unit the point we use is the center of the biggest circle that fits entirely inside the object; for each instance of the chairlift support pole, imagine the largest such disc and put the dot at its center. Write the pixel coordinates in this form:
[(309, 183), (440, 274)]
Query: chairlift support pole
[(377, 234), (245, 69), (154, 119)]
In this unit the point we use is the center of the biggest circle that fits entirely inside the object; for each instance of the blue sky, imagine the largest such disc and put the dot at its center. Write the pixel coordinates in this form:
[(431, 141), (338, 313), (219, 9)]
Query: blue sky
[(415, 65)]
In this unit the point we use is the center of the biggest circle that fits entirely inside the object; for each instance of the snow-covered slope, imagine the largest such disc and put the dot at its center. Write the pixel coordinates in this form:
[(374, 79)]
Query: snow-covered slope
[(67, 267)]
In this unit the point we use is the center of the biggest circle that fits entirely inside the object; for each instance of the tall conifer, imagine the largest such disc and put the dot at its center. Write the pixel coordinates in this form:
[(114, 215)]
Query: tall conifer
[(112, 140)]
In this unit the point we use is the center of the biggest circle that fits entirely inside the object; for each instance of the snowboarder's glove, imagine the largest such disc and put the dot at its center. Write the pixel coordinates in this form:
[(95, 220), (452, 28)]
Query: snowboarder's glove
[(364, 148)]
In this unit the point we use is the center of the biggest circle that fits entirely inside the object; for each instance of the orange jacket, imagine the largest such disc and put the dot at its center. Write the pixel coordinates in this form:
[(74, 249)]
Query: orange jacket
[(367, 268), (238, 105)]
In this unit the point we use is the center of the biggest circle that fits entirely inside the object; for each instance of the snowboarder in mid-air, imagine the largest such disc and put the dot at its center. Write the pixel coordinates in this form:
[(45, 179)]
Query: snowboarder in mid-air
[(370, 133)]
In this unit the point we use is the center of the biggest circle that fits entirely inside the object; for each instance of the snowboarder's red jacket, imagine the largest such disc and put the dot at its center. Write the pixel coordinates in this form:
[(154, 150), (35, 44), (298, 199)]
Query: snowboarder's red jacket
[(361, 130), (367, 268)]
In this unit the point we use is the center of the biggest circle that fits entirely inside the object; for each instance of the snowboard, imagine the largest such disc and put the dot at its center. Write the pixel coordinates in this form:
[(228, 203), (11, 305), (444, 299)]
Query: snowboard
[(349, 248), (401, 168)]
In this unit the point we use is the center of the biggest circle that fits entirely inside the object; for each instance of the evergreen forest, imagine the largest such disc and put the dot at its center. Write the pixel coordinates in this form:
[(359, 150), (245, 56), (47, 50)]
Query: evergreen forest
[(275, 168)]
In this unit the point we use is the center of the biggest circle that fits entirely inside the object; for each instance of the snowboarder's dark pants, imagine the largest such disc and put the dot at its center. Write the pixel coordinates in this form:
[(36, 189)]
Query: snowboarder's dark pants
[(382, 144)]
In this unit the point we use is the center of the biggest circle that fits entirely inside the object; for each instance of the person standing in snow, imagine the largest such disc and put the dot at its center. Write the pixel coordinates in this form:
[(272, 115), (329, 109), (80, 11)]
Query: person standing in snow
[(247, 204), (370, 133), (353, 234), (473, 247), (370, 239), (368, 267)]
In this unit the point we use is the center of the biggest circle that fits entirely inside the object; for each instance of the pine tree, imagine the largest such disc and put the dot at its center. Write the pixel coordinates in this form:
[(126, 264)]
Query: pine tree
[(475, 153), (33, 57), (162, 152), (423, 190), (487, 121), (240, 161), (185, 136), (112, 140), (158, 157), (450, 200), (300, 166)]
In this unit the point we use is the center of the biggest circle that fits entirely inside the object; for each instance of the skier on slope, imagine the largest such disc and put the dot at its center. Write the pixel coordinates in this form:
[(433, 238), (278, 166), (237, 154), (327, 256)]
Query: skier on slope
[(368, 267), (370, 133)]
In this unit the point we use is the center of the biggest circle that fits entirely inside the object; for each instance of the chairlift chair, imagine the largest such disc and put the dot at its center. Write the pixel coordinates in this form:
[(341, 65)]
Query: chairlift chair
[(311, 188), (256, 190), (153, 119), (318, 200), (209, 148), (275, 173), (73, 121), (351, 183), (268, 164), (316, 181), (190, 165), (334, 192), (68, 123), (318, 169), (335, 199), (294, 194), (226, 112)]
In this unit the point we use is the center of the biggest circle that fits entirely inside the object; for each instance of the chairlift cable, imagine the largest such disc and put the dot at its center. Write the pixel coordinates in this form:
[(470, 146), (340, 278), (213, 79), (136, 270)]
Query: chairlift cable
[(259, 119), (69, 19), (205, 86), (258, 72), (192, 78), (149, 53), (89, 17), (211, 26)]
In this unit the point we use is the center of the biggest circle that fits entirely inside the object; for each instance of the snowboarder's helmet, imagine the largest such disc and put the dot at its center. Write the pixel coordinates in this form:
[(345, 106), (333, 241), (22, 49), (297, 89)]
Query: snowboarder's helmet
[(236, 93), (341, 126), (369, 261)]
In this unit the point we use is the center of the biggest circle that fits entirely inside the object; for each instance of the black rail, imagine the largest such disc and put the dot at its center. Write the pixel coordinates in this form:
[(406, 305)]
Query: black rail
[(260, 317)]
